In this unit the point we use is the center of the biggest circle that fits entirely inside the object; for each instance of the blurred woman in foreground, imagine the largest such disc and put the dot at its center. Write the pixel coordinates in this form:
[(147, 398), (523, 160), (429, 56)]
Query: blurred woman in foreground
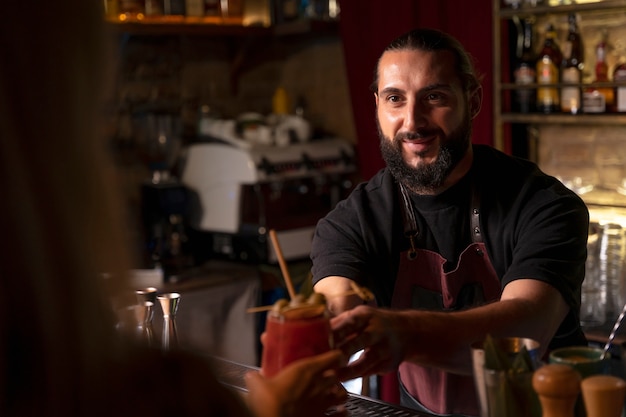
[(62, 225)]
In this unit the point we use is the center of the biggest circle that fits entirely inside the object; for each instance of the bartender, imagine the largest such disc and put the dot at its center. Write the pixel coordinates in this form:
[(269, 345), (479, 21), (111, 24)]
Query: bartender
[(457, 241)]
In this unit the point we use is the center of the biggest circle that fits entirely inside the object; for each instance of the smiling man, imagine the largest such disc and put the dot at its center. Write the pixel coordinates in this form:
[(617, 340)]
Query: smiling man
[(455, 240), (424, 119)]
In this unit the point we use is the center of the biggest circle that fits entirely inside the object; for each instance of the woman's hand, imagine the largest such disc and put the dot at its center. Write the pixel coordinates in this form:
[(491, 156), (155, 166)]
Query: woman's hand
[(306, 388)]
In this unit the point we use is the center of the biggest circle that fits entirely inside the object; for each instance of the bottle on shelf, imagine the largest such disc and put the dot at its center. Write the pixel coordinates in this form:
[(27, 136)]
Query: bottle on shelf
[(548, 64), (572, 68), (131, 10), (280, 102), (212, 8), (111, 9), (174, 8), (153, 8), (286, 10), (194, 8), (599, 99), (525, 71), (514, 4), (619, 76)]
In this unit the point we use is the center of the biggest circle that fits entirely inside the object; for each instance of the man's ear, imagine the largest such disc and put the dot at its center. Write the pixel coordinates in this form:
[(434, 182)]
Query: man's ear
[(376, 99), (475, 101)]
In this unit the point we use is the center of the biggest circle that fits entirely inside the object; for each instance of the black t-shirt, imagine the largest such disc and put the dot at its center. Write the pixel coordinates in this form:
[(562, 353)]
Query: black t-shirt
[(532, 226)]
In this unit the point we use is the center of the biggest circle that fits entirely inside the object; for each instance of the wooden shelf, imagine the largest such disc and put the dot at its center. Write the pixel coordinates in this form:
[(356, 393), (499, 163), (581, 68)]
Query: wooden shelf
[(597, 6), (183, 26), (243, 40), (503, 16), (595, 84), (569, 119), (307, 26), (217, 27)]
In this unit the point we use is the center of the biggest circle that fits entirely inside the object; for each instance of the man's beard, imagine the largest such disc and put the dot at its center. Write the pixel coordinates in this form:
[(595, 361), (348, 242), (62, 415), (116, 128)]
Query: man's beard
[(426, 178)]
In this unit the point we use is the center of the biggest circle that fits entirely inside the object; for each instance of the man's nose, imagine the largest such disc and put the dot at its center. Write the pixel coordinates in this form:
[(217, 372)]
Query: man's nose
[(415, 117)]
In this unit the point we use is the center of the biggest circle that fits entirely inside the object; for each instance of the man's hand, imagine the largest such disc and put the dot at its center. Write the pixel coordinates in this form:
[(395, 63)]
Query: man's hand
[(377, 332), (335, 289)]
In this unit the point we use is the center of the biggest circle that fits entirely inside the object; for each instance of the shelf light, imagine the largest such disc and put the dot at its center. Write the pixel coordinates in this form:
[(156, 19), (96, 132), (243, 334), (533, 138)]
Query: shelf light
[(564, 2)]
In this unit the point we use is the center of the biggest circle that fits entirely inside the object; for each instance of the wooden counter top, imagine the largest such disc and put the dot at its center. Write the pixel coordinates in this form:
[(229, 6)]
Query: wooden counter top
[(212, 315)]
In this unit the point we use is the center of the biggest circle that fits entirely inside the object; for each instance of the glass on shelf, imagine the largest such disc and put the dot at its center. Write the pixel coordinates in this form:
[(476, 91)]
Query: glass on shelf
[(516, 4), (622, 187), (610, 166), (579, 185), (568, 2)]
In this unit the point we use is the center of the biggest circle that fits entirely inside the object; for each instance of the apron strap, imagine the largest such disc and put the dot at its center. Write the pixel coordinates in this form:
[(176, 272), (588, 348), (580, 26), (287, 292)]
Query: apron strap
[(477, 236), (410, 224)]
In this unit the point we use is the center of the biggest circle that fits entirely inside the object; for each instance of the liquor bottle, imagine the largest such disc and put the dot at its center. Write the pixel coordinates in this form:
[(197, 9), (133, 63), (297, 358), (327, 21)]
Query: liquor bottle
[(514, 4), (111, 9), (290, 9), (194, 8), (619, 76), (212, 8), (174, 8), (600, 99), (548, 64), (131, 10), (286, 10), (571, 69), (153, 8), (602, 73), (525, 73)]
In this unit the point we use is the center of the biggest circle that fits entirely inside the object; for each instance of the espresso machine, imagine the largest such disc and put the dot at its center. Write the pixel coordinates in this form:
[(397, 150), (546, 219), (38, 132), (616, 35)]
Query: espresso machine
[(241, 190)]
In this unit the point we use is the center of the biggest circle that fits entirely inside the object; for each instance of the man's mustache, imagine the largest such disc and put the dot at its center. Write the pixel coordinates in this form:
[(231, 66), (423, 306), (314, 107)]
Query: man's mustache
[(419, 134)]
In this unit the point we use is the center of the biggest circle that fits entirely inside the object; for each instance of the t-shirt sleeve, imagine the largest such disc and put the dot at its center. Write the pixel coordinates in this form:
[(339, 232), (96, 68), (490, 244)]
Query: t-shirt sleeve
[(355, 239), (550, 242), (337, 249)]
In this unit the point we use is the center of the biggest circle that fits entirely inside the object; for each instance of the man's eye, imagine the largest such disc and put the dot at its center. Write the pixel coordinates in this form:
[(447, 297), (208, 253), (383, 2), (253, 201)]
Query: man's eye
[(393, 99)]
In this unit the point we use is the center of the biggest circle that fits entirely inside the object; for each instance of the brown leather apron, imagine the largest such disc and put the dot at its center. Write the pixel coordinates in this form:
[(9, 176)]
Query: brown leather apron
[(422, 283)]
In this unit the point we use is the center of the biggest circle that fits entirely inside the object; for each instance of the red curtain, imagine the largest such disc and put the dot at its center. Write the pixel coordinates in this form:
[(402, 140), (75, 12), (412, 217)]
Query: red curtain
[(368, 26)]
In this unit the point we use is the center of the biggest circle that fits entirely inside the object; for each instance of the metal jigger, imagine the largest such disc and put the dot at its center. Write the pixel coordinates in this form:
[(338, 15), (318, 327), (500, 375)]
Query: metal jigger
[(169, 305), (144, 312), (146, 294)]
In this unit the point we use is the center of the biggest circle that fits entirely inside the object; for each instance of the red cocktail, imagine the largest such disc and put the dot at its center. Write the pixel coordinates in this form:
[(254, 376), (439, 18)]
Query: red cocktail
[(289, 338)]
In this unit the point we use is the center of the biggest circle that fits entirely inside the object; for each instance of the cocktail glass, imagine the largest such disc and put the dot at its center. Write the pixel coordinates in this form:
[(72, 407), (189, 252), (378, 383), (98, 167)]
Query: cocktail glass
[(288, 339)]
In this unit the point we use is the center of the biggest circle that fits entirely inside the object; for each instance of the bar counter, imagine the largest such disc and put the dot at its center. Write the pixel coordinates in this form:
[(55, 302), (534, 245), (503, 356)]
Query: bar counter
[(231, 374), (212, 320), (212, 316)]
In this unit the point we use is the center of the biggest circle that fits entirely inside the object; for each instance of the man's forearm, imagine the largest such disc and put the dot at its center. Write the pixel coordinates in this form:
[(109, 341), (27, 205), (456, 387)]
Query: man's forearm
[(443, 339), (527, 308)]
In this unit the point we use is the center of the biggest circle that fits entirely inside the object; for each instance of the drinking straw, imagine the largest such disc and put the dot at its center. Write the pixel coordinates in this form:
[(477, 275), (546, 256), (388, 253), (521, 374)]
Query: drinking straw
[(282, 263)]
